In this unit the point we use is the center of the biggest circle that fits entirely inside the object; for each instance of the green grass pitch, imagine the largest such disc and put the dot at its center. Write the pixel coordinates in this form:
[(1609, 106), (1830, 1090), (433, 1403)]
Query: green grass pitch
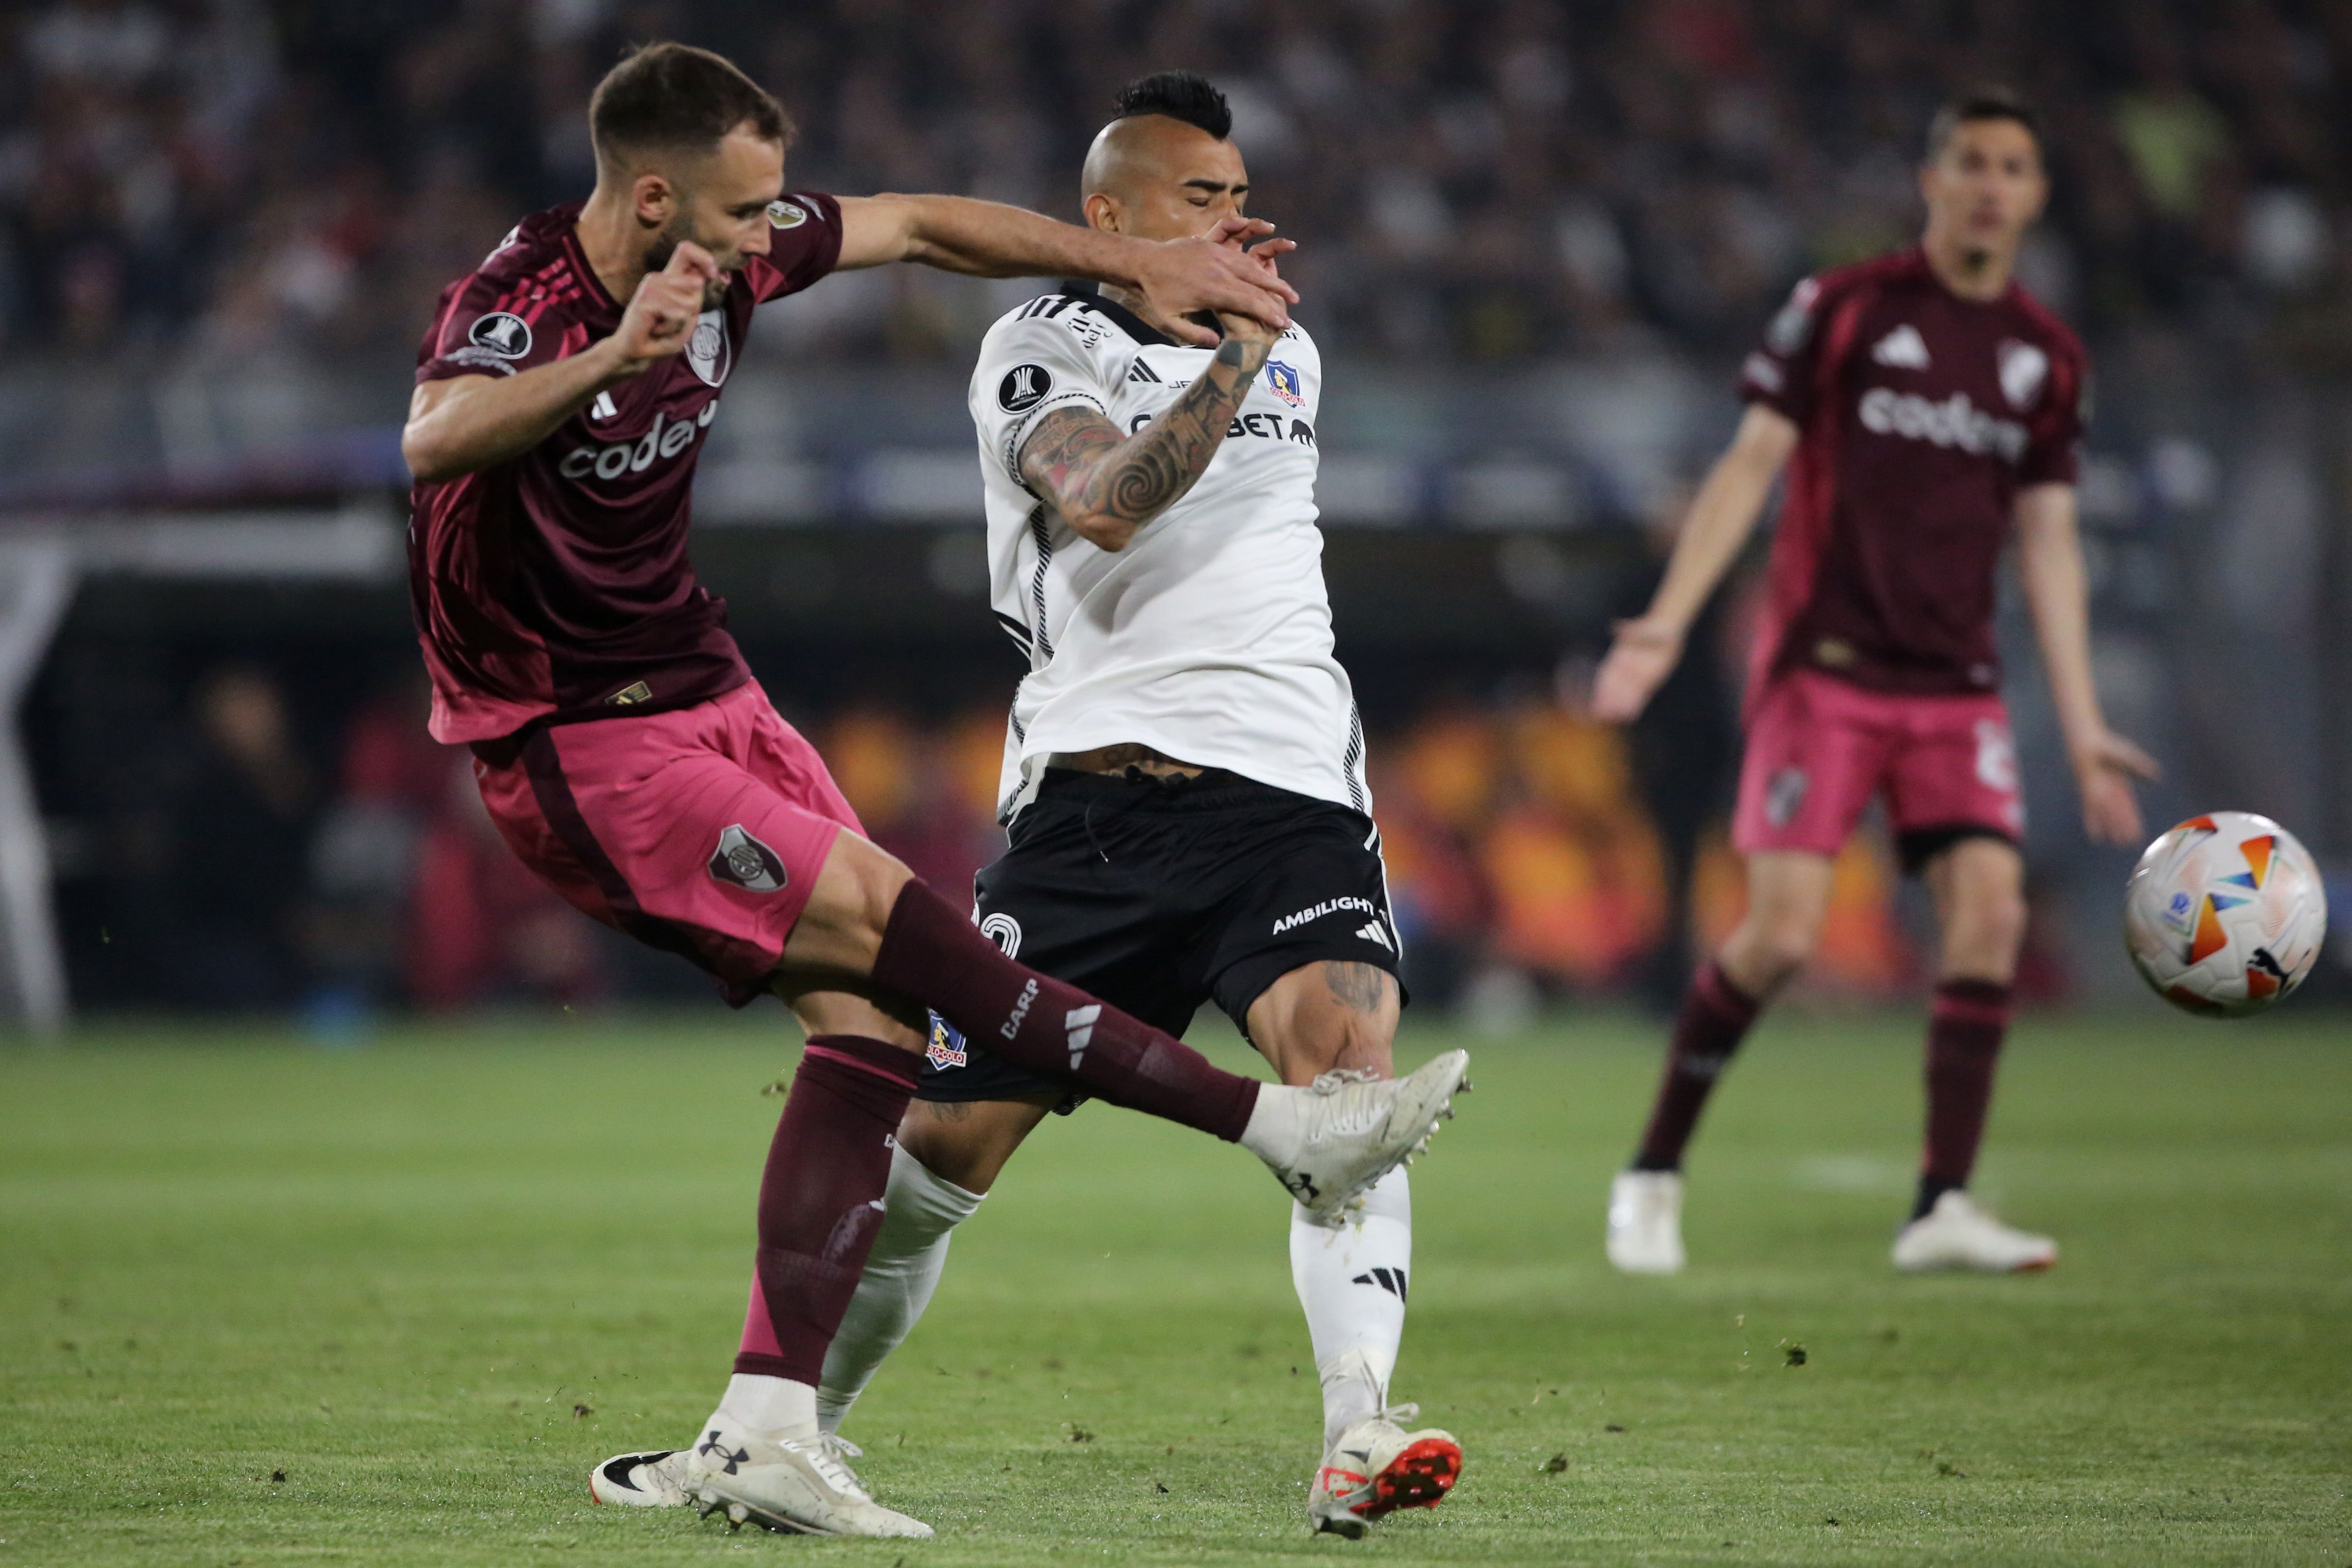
[(262, 1304)]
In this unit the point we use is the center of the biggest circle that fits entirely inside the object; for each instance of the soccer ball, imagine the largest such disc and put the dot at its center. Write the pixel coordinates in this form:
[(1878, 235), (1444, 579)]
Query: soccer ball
[(2225, 914)]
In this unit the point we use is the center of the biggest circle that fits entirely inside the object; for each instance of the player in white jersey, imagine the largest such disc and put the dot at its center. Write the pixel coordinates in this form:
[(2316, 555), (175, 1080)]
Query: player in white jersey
[(1185, 772)]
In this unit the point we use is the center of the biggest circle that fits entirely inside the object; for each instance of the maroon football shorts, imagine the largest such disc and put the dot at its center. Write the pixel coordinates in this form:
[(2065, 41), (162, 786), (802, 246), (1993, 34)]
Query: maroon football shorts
[(1819, 748), (700, 830)]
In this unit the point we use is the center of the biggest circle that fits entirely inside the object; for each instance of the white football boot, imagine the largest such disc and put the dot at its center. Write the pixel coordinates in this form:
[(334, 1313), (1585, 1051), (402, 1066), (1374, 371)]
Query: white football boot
[(1645, 1222), (791, 1485), (1956, 1234), (1332, 1139), (655, 1479), (1376, 1467)]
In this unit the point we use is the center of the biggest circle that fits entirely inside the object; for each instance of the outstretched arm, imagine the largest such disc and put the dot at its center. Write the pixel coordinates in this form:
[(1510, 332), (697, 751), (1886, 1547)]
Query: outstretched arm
[(1722, 515), (1106, 485), (2050, 568), (1175, 278)]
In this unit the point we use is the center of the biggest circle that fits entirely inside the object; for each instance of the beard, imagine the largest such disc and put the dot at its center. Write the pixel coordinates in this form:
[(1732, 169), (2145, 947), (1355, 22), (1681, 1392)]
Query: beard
[(665, 246)]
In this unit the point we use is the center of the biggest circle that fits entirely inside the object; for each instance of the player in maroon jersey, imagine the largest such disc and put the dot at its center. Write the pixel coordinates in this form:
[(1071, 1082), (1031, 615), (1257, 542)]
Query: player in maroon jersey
[(1930, 405), (629, 758)]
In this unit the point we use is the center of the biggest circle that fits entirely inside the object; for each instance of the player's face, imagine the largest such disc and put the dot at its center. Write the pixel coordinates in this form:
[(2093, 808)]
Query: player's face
[(721, 205), (1986, 186), (1189, 181)]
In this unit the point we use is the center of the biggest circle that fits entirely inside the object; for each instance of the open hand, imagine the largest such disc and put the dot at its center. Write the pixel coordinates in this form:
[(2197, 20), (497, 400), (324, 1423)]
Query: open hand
[(1253, 237), (661, 315), (1181, 278), (1643, 655), (2104, 767)]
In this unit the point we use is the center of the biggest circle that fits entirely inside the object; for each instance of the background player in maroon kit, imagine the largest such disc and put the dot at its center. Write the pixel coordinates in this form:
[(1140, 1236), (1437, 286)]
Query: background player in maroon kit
[(1930, 405), (631, 761)]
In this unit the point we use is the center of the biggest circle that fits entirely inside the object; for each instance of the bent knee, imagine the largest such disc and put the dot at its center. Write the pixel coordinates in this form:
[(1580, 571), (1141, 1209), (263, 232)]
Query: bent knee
[(1988, 931), (1326, 1016), (867, 881), (1781, 945), (968, 1142)]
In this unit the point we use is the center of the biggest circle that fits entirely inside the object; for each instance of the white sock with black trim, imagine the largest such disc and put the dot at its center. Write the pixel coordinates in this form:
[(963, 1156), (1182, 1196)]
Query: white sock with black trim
[(921, 1212), (1353, 1282)]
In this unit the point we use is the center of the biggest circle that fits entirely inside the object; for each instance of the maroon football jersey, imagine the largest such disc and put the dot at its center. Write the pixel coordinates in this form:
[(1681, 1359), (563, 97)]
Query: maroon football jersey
[(1922, 414), (556, 584)]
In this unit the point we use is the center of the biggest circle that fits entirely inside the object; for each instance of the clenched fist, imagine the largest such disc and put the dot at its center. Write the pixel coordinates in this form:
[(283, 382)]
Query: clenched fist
[(661, 314)]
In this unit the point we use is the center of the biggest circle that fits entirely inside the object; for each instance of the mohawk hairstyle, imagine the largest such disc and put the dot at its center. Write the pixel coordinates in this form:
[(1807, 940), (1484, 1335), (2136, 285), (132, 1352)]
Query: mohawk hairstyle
[(1187, 96), (1977, 104), (676, 98)]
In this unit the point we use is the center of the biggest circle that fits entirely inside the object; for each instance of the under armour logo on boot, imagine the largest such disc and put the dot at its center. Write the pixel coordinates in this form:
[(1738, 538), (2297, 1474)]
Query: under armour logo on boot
[(712, 1448)]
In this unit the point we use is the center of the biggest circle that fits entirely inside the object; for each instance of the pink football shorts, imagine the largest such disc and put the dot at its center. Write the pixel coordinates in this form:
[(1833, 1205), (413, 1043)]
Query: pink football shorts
[(1819, 748), (699, 830)]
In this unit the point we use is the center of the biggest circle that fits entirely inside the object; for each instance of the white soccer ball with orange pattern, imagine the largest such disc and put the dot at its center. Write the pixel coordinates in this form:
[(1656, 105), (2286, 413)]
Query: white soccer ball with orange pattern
[(2225, 914)]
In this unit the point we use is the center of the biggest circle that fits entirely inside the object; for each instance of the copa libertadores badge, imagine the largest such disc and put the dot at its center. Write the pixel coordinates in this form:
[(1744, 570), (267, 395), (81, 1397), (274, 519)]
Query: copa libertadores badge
[(1024, 387), (502, 332)]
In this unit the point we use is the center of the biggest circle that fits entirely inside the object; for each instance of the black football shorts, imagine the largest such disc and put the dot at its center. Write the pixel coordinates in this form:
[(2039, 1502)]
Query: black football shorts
[(1160, 894)]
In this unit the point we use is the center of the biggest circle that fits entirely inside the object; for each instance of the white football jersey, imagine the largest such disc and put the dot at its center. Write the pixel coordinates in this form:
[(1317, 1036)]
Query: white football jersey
[(1209, 637)]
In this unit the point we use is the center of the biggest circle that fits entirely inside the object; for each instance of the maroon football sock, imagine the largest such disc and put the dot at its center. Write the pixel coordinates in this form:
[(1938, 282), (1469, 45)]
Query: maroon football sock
[(820, 1200), (932, 954), (1965, 1029), (1716, 1016)]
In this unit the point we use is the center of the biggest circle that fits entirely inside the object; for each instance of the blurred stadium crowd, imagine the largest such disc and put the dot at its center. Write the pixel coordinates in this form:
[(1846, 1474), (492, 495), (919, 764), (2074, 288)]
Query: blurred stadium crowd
[(1479, 178), (1527, 859), (1473, 182)]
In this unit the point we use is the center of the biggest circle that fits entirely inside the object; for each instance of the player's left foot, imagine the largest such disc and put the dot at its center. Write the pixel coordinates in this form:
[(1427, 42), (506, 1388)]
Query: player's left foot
[(1376, 1467), (655, 1479), (1956, 1234)]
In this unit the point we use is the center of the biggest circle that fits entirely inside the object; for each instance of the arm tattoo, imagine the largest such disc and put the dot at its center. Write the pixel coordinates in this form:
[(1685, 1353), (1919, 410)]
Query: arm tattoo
[(1078, 461), (1361, 987)]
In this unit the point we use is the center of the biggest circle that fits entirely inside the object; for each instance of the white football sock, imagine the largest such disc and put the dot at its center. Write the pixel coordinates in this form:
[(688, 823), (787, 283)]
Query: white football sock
[(921, 1212), (777, 1406), (1272, 1131), (1351, 1281)]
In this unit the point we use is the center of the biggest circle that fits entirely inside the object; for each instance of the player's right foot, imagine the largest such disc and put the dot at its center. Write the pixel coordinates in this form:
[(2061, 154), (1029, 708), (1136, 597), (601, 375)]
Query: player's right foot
[(1376, 1467), (1329, 1140), (791, 1485), (1645, 1222), (1956, 1234)]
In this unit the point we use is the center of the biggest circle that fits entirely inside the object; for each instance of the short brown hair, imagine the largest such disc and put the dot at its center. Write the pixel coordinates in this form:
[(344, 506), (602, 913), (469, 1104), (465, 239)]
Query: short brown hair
[(677, 97), (1980, 104)]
